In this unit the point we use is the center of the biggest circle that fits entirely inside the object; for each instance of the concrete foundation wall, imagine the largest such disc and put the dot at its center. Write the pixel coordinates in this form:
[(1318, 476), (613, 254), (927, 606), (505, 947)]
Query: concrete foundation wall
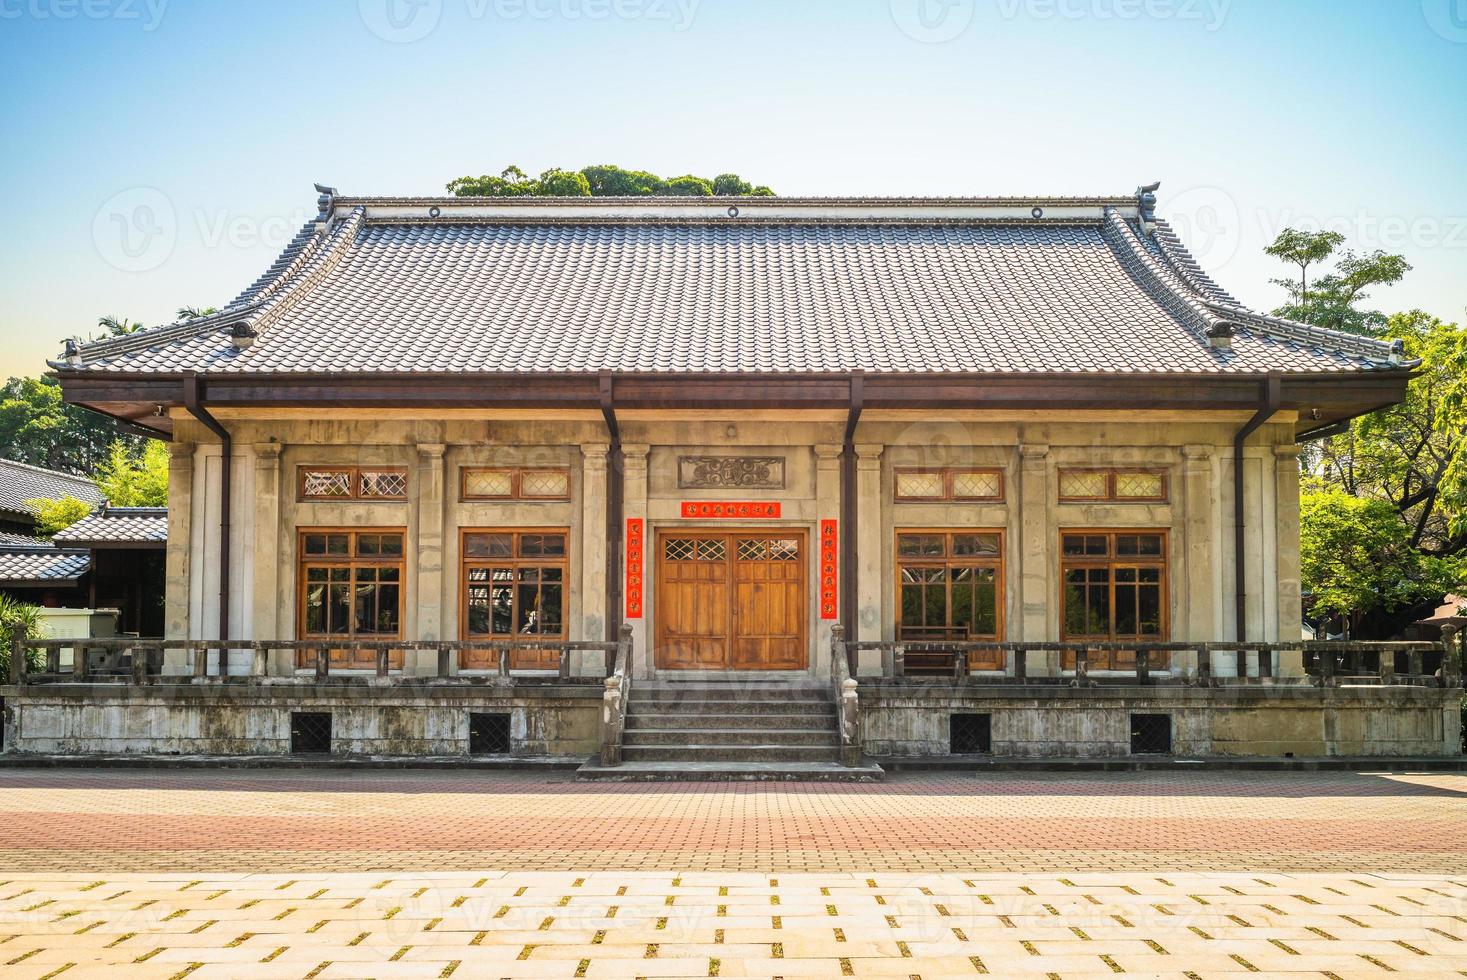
[(95, 720), (912, 721)]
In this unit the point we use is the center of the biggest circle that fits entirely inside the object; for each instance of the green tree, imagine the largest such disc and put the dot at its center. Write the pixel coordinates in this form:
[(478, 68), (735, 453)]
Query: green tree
[(1356, 557), (58, 515), (194, 312), (36, 427), (134, 476), (1332, 301), (689, 186), (17, 615), (602, 180)]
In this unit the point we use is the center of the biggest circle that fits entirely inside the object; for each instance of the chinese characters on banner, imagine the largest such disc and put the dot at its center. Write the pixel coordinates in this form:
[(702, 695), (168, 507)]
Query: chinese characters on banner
[(829, 578), (634, 568), (730, 510)]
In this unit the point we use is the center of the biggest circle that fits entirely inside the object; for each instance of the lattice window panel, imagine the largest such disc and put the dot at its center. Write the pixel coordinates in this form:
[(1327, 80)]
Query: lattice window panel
[(784, 549), (713, 550), (919, 485), (971, 485), (383, 483), (488, 733), (488, 483), (751, 550), (1145, 485), (680, 549), (545, 483), (326, 483), (310, 732), (1078, 483)]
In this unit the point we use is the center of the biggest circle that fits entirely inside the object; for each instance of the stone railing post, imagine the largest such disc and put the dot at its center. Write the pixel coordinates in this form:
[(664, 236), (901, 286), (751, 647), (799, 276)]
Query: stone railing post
[(260, 661), (1021, 665), (1451, 657), (17, 655)]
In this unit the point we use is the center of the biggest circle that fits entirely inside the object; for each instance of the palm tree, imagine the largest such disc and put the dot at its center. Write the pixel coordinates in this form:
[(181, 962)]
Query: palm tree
[(194, 312), (118, 327)]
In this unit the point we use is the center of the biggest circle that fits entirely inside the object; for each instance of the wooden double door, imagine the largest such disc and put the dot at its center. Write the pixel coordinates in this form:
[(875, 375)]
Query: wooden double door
[(731, 600)]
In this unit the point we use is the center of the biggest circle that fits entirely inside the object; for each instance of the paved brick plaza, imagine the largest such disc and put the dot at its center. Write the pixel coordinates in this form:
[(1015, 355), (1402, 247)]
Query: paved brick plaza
[(342, 874)]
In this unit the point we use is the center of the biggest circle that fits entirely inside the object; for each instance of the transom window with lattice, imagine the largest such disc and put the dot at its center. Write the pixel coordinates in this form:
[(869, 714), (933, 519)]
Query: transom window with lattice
[(514, 483), (1118, 485), (948, 484), (353, 483)]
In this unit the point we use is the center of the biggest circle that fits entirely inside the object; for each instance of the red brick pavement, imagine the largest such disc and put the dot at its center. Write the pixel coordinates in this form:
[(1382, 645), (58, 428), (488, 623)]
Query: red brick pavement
[(333, 819)]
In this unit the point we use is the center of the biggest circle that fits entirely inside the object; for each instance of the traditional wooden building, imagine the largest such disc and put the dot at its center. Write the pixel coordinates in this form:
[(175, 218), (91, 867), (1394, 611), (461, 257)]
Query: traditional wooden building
[(733, 424)]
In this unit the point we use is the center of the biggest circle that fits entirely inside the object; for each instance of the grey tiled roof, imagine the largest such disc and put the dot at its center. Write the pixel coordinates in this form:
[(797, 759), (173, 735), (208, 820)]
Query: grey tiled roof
[(789, 286), (118, 525), (10, 540), (21, 482), (42, 565)]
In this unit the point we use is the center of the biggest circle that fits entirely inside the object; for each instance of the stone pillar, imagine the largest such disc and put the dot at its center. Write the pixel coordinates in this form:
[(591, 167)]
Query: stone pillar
[(268, 560), (870, 534), (593, 551), (1195, 557), (1286, 521), (179, 555), (827, 506), (428, 623), (634, 504), (1034, 553)]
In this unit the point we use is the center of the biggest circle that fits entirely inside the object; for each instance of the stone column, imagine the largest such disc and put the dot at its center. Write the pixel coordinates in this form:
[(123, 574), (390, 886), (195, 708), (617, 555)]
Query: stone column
[(1286, 500), (1195, 558), (268, 560), (827, 507), (870, 535), (1034, 553), (634, 504), (429, 585), (179, 555), (593, 550)]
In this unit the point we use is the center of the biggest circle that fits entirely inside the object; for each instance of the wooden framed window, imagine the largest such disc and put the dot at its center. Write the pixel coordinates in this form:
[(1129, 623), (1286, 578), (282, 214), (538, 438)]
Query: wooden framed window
[(350, 587), (352, 482), (950, 587), (948, 484), (514, 483), (1113, 588), (513, 584), (1119, 485)]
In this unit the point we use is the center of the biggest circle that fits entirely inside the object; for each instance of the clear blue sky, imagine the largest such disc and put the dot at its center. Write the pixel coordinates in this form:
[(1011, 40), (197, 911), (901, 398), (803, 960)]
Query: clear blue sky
[(196, 127)]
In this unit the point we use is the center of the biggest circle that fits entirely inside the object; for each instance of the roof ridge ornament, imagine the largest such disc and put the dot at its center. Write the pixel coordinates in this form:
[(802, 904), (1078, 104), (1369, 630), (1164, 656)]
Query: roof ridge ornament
[(326, 202), (1146, 203)]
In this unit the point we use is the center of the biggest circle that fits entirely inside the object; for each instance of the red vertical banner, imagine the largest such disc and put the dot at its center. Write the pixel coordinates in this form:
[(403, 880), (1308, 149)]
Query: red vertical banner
[(829, 570), (634, 568)]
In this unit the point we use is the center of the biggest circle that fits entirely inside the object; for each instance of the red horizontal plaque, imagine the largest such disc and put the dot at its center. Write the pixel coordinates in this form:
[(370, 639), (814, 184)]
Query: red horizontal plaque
[(730, 510)]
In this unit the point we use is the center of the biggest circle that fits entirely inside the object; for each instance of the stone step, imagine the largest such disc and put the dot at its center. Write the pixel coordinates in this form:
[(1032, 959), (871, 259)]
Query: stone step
[(729, 753), (694, 706), (696, 721), (659, 772), (729, 692), (796, 737)]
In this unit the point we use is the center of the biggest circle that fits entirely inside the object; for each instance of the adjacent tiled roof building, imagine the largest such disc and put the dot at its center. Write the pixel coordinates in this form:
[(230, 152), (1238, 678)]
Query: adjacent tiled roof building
[(709, 286), (20, 483), (132, 527), (42, 565)]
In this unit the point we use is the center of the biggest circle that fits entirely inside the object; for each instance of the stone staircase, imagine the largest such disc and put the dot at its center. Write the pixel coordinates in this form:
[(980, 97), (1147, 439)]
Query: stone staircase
[(704, 722), (731, 730)]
